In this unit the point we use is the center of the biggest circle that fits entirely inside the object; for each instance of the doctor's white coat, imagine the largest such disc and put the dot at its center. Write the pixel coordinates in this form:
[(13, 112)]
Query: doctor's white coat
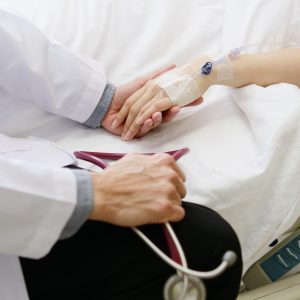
[(36, 201), (65, 84)]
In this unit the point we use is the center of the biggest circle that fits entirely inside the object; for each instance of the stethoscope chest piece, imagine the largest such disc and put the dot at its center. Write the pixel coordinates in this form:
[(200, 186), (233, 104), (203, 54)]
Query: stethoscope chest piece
[(174, 285)]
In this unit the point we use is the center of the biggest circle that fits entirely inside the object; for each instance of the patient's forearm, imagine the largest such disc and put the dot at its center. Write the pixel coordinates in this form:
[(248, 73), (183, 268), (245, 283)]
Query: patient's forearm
[(182, 86), (266, 68)]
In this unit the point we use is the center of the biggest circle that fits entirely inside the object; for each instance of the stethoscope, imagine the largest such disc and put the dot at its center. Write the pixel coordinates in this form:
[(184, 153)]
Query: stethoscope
[(186, 281)]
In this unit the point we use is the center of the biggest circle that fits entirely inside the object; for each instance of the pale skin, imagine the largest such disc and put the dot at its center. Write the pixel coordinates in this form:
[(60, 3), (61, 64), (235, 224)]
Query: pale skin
[(262, 69), (123, 93), (142, 189)]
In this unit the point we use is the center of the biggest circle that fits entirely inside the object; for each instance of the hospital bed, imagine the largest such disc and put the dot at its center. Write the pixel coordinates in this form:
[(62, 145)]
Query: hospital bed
[(286, 289), (277, 274), (242, 160)]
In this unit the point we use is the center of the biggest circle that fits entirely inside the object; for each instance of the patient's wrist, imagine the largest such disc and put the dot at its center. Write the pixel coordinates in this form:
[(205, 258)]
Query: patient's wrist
[(186, 84), (244, 73), (194, 70)]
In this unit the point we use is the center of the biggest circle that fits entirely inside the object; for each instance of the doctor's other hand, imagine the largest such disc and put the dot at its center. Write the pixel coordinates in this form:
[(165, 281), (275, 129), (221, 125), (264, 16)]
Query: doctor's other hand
[(123, 93), (138, 190)]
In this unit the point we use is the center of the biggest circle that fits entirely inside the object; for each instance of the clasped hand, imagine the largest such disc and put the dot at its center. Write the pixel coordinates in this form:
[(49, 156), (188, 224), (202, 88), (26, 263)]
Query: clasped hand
[(149, 105)]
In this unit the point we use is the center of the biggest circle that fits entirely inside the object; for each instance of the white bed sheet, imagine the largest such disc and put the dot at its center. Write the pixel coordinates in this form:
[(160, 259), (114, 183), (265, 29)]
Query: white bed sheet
[(244, 144)]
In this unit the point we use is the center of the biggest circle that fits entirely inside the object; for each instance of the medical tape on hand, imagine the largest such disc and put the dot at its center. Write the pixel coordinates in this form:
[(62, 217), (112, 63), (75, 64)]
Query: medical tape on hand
[(180, 87)]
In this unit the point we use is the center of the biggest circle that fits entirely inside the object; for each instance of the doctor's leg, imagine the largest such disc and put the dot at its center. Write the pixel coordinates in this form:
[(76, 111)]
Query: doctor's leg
[(107, 262)]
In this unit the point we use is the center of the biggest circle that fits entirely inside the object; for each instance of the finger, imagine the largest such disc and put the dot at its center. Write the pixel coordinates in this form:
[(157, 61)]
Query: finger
[(132, 90), (137, 86), (155, 106), (137, 106), (145, 128), (179, 184), (173, 164), (171, 192), (181, 189), (148, 125), (132, 115), (157, 119), (177, 214), (131, 129), (122, 114), (166, 210), (168, 160), (170, 114)]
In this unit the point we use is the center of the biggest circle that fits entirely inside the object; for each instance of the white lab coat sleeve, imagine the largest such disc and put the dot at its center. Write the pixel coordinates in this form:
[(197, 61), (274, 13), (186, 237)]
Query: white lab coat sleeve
[(35, 68), (35, 204)]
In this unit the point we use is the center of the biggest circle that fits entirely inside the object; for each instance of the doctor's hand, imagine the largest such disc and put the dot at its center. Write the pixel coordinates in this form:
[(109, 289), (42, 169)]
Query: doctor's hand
[(148, 101), (139, 189), (123, 93)]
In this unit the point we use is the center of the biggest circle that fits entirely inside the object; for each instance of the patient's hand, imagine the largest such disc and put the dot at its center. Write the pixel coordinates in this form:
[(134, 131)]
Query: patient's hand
[(151, 99), (126, 91)]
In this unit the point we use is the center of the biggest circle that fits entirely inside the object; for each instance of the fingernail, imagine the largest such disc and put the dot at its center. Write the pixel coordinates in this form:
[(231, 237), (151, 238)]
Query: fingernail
[(114, 124), (128, 136), (159, 118)]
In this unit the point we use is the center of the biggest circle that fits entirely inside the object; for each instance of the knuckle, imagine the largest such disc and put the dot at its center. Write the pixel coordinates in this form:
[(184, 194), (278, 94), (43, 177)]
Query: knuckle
[(169, 189), (163, 94), (178, 215), (141, 81), (152, 85), (183, 192), (163, 156), (168, 159), (172, 175), (127, 105), (132, 155), (163, 206), (142, 111), (133, 110), (155, 87), (156, 106)]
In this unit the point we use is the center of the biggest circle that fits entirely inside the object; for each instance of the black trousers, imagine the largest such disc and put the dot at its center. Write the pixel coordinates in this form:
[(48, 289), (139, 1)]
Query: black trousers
[(106, 262)]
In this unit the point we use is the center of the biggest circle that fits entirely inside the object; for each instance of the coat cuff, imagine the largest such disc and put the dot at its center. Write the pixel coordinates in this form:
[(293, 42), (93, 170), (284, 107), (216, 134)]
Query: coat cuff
[(84, 204), (100, 111)]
